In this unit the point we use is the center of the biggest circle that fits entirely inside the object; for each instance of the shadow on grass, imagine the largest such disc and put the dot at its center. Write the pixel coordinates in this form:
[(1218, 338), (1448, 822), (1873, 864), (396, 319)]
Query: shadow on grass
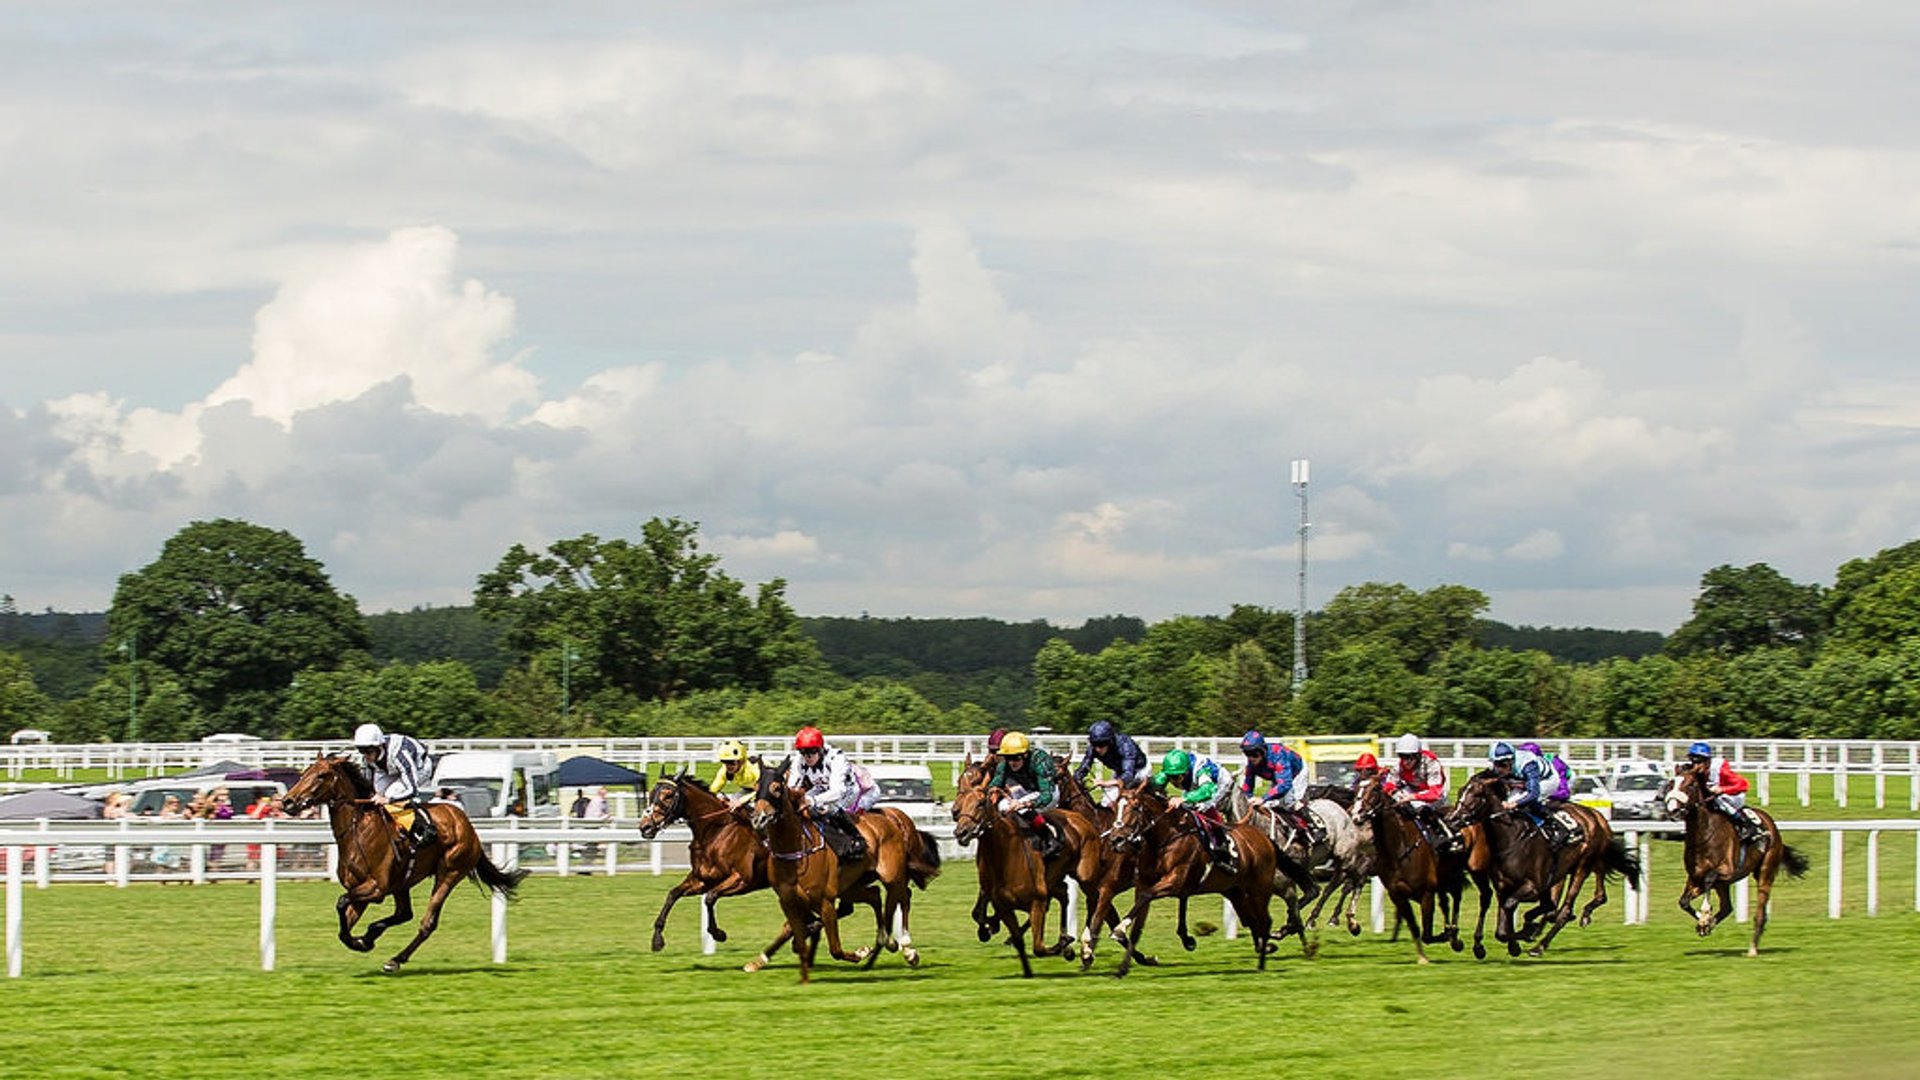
[(1740, 951)]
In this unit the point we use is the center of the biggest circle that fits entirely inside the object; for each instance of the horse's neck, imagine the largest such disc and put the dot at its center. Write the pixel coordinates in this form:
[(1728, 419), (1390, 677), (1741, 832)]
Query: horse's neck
[(704, 812), (789, 834), (342, 816)]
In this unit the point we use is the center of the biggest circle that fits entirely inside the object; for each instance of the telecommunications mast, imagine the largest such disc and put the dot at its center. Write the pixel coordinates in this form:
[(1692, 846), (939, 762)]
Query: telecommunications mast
[(1300, 602)]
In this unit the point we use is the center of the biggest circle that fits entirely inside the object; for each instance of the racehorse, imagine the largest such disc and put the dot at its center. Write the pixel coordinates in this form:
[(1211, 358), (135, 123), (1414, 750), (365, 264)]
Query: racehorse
[(1411, 869), (727, 858), (1716, 858), (1335, 857), (810, 879), (1174, 861), (1526, 867), (371, 865), (1013, 875), (1113, 876)]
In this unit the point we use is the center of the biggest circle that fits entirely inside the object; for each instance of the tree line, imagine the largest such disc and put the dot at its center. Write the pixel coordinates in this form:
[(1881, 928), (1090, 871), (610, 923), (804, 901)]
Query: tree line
[(233, 627)]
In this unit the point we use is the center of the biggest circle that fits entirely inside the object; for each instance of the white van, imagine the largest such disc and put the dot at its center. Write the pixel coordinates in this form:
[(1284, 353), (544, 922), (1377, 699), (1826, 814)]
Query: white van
[(500, 783)]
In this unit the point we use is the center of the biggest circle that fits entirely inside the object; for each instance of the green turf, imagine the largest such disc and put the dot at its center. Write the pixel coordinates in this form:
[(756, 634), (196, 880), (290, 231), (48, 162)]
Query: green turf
[(164, 980)]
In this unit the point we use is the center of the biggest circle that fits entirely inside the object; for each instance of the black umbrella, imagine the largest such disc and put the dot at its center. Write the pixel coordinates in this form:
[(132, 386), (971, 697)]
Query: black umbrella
[(48, 804)]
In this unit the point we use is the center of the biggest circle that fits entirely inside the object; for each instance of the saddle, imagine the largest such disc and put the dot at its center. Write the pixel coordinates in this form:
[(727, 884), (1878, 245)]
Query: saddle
[(1561, 829), (843, 836)]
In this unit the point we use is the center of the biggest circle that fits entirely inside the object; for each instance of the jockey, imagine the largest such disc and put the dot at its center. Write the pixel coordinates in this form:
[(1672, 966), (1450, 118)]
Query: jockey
[(1728, 788), (993, 740), (1563, 784), (1282, 768), (1205, 788), (832, 790), (398, 767), (1419, 783), (1524, 772), (1366, 767), (736, 772), (1025, 772), (1107, 746)]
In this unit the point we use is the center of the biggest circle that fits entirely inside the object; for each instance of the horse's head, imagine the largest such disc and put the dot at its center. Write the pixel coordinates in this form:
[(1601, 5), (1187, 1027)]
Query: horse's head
[(973, 812), (1687, 788), (1135, 812), (974, 774), (1483, 796), (1369, 800), (771, 796), (666, 805), (329, 781)]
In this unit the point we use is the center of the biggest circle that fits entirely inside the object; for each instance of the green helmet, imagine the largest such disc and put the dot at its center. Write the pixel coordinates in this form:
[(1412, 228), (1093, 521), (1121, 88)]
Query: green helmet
[(1177, 764)]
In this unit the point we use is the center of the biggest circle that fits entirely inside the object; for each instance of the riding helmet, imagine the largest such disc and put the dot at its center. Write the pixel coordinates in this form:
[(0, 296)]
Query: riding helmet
[(1700, 749), (1253, 743), (368, 736), (1366, 762), (1176, 763), (1407, 745), (1101, 731), (809, 738), (731, 750), (1013, 744), (1502, 752)]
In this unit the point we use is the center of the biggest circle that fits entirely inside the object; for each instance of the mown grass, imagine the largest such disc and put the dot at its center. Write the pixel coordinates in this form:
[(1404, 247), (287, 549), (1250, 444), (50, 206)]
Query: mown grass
[(160, 980)]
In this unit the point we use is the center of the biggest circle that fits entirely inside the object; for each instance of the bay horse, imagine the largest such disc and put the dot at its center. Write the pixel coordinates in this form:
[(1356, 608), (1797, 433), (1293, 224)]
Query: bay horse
[(726, 857), (1526, 867), (1716, 858), (1174, 861), (1113, 876), (811, 880), (371, 865), (1412, 871), (1014, 876)]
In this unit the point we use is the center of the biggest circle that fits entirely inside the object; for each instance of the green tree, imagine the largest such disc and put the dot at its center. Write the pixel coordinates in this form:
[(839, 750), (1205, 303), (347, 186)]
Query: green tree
[(1740, 609), (234, 610), (656, 619), (1499, 692), (1363, 687), (22, 705), (1882, 614), (1421, 626), (437, 700), (1248, 691), (167, 713)]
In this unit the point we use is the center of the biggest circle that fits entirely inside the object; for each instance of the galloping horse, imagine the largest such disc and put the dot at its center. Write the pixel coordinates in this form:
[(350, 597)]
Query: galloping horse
[(371, 866), (1411, 869), (1716, 858), (1113, 876), (1525, 867), (727, 858), (1013, 875), (1174, 862), (1335, 859), (810, 879)]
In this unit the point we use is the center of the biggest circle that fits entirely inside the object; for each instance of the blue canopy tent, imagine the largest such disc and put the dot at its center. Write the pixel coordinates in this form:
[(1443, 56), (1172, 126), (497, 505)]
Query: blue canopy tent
[(589, 771)]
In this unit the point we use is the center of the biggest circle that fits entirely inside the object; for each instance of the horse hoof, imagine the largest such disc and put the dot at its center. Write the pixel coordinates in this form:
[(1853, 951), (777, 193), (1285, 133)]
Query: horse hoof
[(1536, 952), (862, 953), (984, 933), (660, 942), (912, 956), (1458, 945), (893, 945), (390, 966), (1586, 921), (1513, 948), (1189, 944), (1753, 950), (718, 935), (1422, 961), (1353, 929), (1479, 951), (754, 964), (1148, 961)]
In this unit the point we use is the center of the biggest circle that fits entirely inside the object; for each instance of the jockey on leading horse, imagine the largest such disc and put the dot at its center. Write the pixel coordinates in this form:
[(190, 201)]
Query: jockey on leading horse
[(1419, 783), (833, 791), (397, 765), (735, 772), (1205, 786), (1284, 770), (1728, 788), (1025, 772), (1107, 746)]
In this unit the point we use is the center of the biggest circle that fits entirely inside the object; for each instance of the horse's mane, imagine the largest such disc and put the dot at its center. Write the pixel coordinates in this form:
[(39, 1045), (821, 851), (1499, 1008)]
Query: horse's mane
[(687, 779), (357, 776)]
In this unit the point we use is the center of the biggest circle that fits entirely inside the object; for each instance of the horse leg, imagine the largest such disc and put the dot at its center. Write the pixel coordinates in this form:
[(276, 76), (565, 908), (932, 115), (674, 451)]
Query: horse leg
[(1599, 899), (690, 884), (1127, 933), (905, 941), (762, 960), (1353, 907), (350, 911), (1187, 941), (1503, 928), (1723, 890), (402, 913), (1403, 907), (1694, 888), (442, 888), (1257, 922), (985, 924), (1765, 879), (1485, 888)]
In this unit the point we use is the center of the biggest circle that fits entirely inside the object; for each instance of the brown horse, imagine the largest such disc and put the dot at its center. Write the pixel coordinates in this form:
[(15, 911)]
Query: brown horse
[(1113, 875), (1012, 873), (1526, 867), (726, 857), (1174, 861), (1410, 868), (373, 863), (811, 880), (1716, 858)]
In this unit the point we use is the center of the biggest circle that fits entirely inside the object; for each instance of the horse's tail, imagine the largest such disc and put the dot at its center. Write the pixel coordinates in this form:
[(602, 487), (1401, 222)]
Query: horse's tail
[(491, 878), (1623, 859), (1795, 862), (923, 865)]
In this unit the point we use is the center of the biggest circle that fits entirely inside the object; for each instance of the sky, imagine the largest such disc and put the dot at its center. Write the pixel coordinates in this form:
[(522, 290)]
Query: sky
[(930, 309)]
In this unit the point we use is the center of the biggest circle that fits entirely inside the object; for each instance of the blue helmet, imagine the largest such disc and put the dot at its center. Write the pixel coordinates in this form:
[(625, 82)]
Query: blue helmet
[(1101, 731), (1502, 752), (1700, 749), (1253, 743)]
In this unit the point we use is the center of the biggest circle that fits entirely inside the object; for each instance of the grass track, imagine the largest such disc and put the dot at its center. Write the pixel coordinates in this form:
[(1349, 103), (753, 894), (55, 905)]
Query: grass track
[(158, 980)]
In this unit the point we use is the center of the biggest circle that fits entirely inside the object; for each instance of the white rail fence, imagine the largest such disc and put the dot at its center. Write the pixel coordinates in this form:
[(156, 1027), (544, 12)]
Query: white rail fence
[(274, 851)]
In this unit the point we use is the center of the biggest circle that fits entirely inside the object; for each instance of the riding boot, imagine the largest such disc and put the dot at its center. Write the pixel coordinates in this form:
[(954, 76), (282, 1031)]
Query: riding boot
[(853, 845), (423, 832), (1046, 841)]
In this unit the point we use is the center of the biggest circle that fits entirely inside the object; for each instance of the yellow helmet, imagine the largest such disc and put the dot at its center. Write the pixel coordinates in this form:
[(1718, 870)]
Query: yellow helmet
[(730, 751), (1013, 744)]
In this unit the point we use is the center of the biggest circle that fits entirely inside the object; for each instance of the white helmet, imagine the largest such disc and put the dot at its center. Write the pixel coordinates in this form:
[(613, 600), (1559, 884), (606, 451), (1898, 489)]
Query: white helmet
[(1407, 744), (368, 736)]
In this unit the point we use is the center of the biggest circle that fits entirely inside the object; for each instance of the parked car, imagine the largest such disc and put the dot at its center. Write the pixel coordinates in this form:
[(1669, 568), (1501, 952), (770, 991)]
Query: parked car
[(1636, 796), (1591, 791), (500, 783)]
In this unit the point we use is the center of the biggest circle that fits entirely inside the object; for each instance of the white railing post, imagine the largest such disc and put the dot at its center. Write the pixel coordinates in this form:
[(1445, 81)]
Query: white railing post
[(269, 898), (707, 945), (563, 856), (14, 901), (122, 857), (1835, 847), (1632, 901), (333, 862), (1740, 900), (197, 853), (1873, 872), (1073, 907), (499, 910), (654, 857), (1646, 877), (1766, 789), (1377, 906), (1840, 784), (612, 852), (1229, 920), (43, 863), (1806, 786)]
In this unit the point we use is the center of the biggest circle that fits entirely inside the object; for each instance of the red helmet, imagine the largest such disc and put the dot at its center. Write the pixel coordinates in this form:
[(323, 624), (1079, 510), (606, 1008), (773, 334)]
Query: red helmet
[(1366, 761), (809, 738), (993, 740)]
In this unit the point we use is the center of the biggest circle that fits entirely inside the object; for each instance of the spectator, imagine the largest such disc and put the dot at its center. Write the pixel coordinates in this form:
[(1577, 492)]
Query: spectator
[(581, 804), (597, 806), (116, 805)]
